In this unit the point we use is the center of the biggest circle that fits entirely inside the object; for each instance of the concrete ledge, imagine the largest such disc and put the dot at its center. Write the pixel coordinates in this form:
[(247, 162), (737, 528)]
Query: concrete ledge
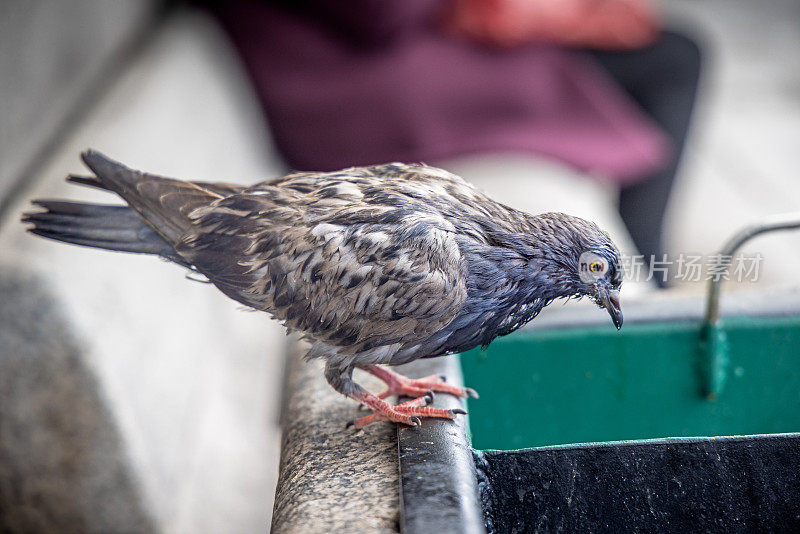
[(332, 479), (63, 467)]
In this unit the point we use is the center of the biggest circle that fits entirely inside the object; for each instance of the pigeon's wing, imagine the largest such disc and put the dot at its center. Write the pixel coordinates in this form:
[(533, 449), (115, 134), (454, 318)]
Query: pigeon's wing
[(355, 275), (221, 189)]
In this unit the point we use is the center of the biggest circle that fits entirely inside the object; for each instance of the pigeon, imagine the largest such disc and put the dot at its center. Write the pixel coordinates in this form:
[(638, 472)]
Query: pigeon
[(375, 266)]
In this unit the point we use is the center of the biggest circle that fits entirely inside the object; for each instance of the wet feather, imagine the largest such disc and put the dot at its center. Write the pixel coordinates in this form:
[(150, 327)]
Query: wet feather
[(380, 264)]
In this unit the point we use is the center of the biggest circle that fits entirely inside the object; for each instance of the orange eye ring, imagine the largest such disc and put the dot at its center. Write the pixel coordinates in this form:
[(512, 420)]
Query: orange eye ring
[(596, 266)]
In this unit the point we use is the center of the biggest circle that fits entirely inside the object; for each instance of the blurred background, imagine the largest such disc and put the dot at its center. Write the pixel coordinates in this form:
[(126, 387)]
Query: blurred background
[(133, 400)]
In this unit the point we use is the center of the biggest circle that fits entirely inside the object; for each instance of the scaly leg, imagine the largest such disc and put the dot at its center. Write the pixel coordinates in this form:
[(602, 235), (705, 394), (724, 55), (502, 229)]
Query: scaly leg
[(398, 384)]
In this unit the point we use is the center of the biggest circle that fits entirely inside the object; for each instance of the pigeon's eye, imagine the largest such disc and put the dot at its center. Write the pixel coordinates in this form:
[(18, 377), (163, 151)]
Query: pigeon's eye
[(591, 267)]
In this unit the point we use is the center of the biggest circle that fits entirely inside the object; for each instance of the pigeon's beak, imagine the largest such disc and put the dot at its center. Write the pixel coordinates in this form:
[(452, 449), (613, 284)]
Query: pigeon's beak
[(610, 301)]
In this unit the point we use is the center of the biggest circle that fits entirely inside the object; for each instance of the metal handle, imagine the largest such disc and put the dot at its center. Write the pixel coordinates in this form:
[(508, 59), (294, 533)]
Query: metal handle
[(786, 221), (713, 346)]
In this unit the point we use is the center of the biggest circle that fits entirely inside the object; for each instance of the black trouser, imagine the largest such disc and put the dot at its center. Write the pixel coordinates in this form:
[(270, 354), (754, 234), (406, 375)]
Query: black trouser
[(662, 79)]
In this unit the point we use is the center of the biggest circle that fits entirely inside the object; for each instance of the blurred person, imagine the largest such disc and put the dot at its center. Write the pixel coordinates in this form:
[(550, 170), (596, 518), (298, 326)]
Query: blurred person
[(594, 85)]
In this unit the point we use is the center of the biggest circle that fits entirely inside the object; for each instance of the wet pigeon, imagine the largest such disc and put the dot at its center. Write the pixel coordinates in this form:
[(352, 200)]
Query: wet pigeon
[(375, 266)]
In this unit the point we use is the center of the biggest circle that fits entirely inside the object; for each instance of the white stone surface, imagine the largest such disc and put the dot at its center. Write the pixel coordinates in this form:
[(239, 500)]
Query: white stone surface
[(193, 381), (743, 158)]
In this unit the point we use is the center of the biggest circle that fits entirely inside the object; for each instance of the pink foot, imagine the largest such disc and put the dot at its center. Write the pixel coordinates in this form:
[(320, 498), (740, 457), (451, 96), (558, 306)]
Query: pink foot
[(401, 385), (408, 413)]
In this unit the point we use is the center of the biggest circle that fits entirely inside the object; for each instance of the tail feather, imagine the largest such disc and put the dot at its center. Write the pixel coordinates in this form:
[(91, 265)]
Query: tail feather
[(91, 181), (165, 203), (100, 226), (156, 217)]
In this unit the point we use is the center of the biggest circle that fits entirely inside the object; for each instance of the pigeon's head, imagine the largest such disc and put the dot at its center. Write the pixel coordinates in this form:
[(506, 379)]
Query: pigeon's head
[(601, 279), (588, 262)]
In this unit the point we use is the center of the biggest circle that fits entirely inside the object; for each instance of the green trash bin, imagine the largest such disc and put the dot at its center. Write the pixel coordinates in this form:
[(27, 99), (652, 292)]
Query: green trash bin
[(592, 384)]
